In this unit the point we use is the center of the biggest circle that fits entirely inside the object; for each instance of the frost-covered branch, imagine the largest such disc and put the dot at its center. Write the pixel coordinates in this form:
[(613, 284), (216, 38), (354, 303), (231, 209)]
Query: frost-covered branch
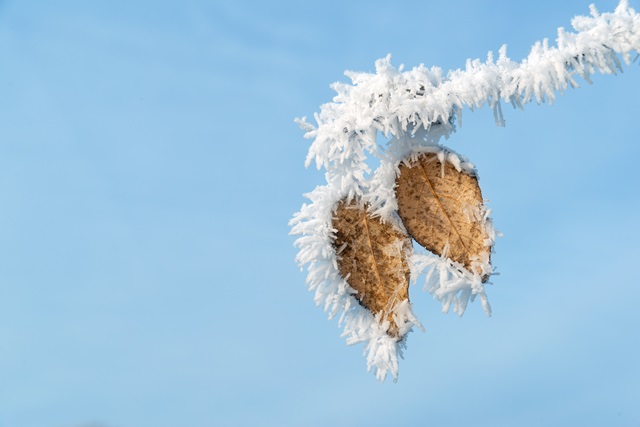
[(393, 101), (414, 109)]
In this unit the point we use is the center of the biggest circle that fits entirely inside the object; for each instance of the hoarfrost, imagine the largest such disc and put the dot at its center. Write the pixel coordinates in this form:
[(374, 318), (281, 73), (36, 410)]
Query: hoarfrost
[(415, 110)]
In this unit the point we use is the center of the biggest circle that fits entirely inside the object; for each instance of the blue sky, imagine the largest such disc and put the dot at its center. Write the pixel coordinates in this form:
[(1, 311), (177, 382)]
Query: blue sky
[(149, 165)]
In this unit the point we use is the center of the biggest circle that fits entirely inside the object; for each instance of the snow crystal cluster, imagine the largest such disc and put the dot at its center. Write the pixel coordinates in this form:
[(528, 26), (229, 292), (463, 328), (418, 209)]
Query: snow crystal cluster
[(414, 110)]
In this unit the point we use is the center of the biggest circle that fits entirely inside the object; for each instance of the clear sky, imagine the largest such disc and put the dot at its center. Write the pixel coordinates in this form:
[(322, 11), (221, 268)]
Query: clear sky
[(149, 165)]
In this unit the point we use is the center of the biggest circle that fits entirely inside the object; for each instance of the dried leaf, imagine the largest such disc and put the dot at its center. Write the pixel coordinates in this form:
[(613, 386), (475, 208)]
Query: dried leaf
[(372, 256), (442, 209)]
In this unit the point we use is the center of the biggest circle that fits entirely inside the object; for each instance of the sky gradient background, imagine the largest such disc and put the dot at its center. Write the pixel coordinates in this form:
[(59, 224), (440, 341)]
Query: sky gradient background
[(149, 165)]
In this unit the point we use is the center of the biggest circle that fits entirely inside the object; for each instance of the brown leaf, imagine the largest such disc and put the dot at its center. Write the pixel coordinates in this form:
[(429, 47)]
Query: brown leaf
[(372, 257), (441, 206)]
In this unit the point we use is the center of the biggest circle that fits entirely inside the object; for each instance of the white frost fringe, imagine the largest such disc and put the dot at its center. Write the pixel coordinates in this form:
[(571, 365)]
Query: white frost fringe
[(333, 292), (415, 109)]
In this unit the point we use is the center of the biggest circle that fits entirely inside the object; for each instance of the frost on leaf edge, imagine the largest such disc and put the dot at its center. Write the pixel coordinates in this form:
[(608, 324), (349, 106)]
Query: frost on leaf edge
[(313, 223)]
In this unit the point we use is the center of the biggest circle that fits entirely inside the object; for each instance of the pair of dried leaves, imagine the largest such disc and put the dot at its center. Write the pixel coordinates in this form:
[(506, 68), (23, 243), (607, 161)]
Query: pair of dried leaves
[(434, 201)]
